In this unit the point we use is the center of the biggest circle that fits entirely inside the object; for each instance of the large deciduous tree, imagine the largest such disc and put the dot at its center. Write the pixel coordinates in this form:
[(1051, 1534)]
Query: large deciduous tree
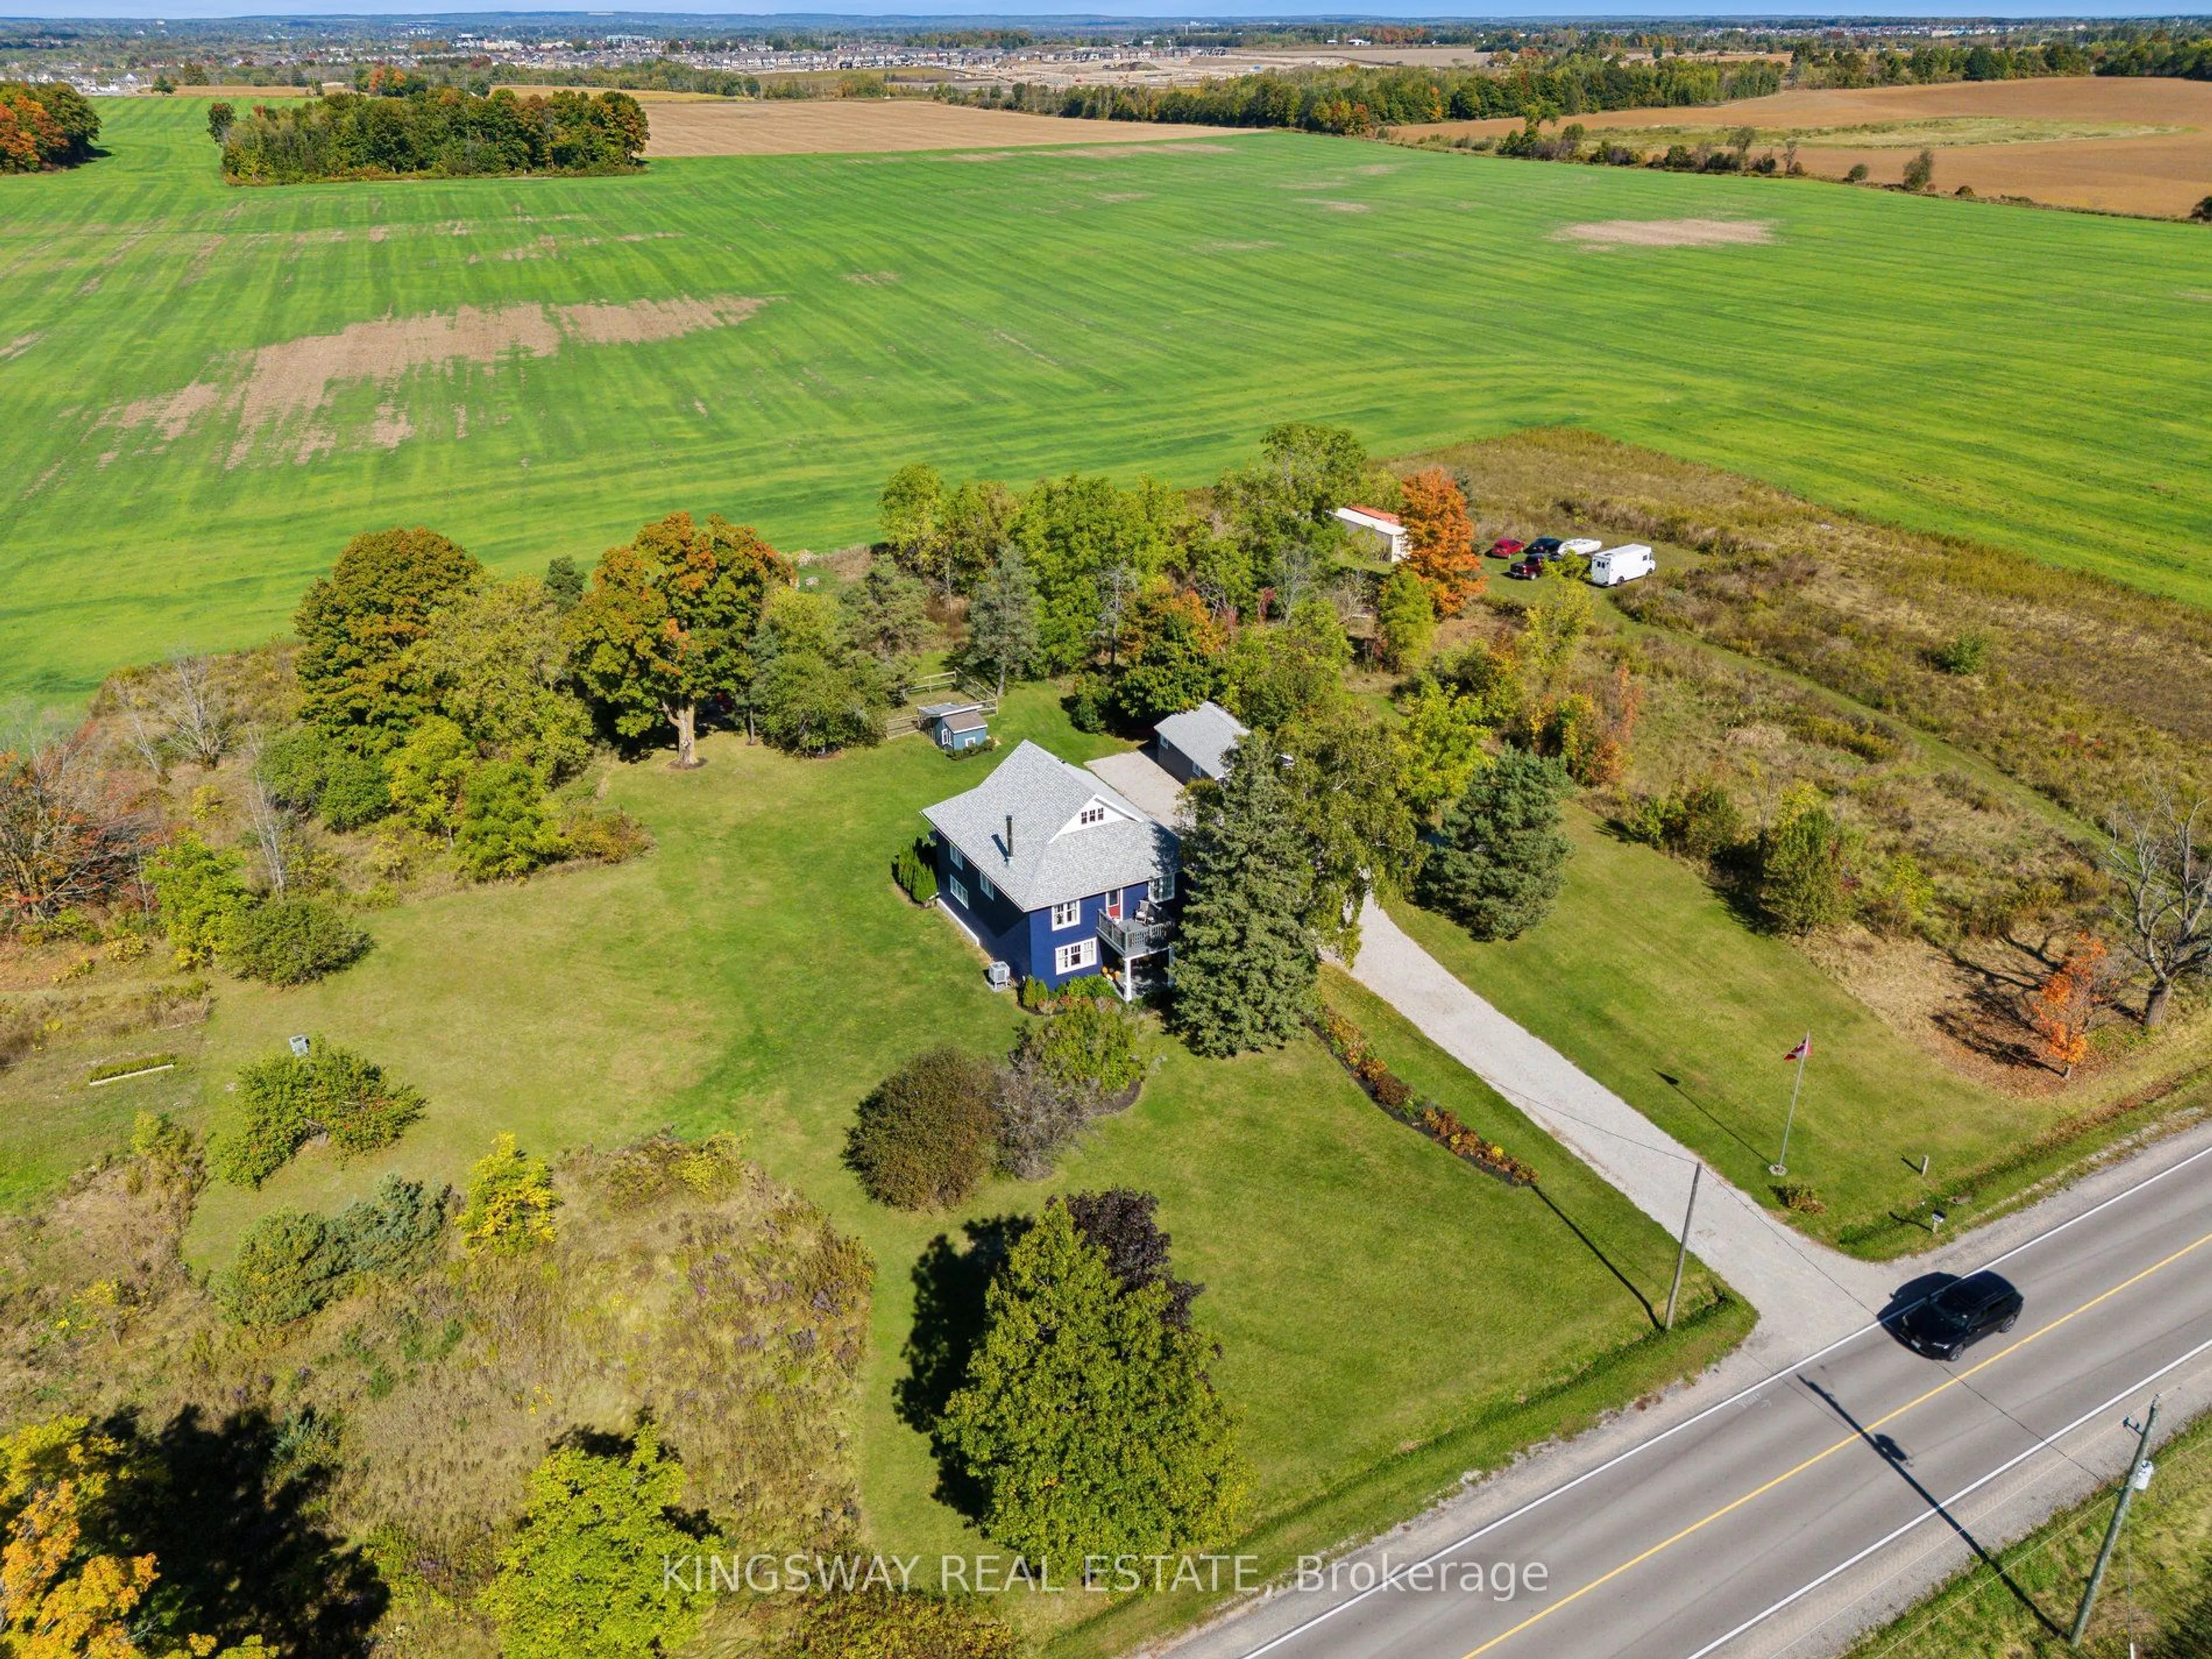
[(1501, 860), (357, 624), (911, 519), (1347, 786), (1091, 546), (1087, 1421), (65, 839), (1169, 657), (1247, 955), (1274, 676), (667, 623), (495, 661), (814, 691), (2160, 864), (1443, 555), (1439, 746)]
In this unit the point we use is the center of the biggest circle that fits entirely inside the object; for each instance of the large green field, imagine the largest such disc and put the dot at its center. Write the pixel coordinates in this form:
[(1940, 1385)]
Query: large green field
[(2032, 378)]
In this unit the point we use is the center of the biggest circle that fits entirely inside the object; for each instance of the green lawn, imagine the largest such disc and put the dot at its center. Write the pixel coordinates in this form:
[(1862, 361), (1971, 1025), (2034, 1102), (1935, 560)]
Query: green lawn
[(758, 972), (2032, 378), (1646, 978)]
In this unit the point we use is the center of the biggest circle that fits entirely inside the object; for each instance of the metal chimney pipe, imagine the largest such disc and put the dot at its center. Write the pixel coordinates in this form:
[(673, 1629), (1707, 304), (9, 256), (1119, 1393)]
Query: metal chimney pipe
[(1010, 835)]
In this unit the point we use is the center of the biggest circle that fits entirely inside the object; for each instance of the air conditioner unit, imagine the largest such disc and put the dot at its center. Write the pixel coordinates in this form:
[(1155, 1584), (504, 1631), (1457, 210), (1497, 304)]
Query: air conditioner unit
[(999, 975)]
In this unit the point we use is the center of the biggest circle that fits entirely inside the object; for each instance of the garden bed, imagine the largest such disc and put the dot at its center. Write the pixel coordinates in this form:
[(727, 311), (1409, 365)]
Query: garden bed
[(1396, 1098)]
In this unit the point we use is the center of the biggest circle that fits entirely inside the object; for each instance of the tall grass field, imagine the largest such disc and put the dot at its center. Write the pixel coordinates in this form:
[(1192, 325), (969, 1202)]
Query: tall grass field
[(207, 389)]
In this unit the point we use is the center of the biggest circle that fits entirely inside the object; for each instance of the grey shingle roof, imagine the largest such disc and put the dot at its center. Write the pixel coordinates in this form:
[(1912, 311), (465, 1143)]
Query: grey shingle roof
[(1053, 858), (1205, 734)]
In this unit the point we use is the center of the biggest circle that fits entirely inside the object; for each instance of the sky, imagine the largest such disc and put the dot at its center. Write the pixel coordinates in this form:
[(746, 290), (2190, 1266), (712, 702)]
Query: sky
[(1131, 9)]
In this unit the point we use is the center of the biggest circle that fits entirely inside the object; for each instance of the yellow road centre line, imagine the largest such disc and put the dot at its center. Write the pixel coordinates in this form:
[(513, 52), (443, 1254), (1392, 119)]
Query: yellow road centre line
[(1848, 1440)]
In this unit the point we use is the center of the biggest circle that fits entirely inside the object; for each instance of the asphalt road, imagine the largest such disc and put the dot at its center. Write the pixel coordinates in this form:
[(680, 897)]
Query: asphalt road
[(1726, 1534)]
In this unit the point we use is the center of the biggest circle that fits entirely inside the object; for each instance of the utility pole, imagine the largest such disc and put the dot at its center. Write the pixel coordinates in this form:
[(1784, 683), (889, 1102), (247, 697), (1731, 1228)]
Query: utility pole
[(2139, 1471), (1781, 1165), (1696, 1171)]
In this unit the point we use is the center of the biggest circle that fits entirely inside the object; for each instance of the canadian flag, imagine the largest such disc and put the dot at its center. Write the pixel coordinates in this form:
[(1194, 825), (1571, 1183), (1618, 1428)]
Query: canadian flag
[(1801, 1050)]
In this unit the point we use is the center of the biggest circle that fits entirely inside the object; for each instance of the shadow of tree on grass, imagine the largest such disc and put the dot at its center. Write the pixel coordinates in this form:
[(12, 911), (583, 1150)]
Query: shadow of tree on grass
[(234, 1521), (948, 1285)]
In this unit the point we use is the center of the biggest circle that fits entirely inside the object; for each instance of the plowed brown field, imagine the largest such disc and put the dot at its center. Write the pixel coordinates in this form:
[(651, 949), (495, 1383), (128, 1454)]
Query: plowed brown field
[(830, 125), (2163, 173)]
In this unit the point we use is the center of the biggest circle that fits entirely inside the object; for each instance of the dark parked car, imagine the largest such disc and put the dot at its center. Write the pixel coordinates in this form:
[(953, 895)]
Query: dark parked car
[(1526, 568), (1506, 548), (1961, 1315), (1544, 547)]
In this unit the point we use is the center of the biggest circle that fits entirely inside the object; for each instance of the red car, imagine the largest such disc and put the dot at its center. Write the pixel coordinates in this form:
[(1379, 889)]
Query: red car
[(1506, 548)]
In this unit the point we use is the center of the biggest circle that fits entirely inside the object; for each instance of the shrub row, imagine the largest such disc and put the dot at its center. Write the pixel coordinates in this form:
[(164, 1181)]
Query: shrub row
[(915, 872), (1040, 998), (1396, 1095)]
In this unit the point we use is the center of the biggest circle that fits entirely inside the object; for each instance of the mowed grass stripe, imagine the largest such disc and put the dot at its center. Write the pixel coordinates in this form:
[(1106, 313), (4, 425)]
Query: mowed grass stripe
[(2026, 377)]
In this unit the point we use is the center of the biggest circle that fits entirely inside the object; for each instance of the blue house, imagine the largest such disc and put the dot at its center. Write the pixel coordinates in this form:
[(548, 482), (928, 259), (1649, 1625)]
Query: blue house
[(1056, 874), (954, 727)]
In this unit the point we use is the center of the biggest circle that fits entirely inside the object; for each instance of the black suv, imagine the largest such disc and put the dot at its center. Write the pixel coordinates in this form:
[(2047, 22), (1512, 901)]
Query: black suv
[(1544, 547), (1961, 1315)]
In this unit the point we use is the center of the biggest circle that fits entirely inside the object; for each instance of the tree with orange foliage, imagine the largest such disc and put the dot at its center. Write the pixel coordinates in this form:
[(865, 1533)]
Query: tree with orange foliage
[(2061, 1008), (67, 1589), (1443, 554)]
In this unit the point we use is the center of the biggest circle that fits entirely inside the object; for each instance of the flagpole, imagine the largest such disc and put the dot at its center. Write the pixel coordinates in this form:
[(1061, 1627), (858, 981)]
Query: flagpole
[(1781, 1165)]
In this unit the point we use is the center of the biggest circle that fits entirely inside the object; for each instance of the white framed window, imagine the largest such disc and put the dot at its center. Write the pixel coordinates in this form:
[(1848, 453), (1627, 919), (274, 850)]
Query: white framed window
[(1068, 914), (1161, 888), (989, 892), (957, 861), (1067, 958), (958, 888), (1093, 813)]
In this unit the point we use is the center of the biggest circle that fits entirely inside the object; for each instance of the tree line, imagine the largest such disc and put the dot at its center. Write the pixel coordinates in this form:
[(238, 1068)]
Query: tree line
[(1933, 62), (441, 131), (1363, 99), (44, 125)]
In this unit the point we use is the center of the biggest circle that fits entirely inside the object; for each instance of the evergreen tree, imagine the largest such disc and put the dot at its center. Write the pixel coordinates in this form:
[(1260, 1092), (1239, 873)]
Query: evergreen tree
[(886, 612), (357, 624), (1501, 865), (564, 583), (1800, 872), (1247, 958), (1002, 618), (1087, 1421), (582, 1576)]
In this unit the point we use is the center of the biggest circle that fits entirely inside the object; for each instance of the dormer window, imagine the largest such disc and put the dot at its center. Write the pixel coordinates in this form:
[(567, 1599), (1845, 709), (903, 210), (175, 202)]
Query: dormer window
[(1093, 813)]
